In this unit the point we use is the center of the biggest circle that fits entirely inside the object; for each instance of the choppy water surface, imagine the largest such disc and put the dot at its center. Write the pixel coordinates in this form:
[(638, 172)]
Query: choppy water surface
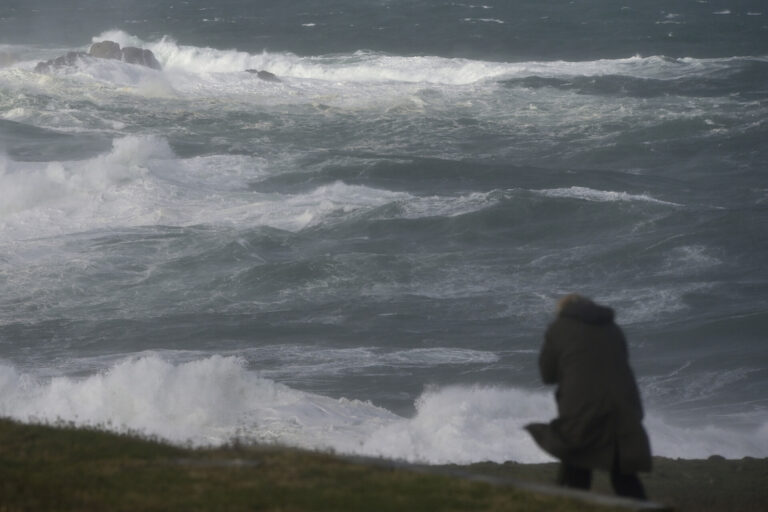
[(364, 255)]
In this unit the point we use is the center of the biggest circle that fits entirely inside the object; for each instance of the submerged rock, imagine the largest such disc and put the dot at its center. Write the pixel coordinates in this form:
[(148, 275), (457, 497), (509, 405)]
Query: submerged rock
[(264, 75), (103, 50)]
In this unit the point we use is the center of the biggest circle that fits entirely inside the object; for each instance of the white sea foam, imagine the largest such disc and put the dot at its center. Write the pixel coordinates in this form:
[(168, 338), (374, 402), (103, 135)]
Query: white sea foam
[(464, 425), (214, 400), (210, 401), (372, 67), (357, 67), (689, 259), (360, 80), (451, 206), (588, 194), (651, 303), (129, 78), (484, 20), (141, 182), (40, 199), (701, 441)]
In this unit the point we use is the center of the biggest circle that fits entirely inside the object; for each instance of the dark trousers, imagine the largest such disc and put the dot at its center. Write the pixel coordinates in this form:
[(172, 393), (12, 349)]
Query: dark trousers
[(628, 486)]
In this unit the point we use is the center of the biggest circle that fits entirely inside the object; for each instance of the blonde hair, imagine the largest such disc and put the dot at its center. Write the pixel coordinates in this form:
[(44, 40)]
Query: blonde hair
[(571, 298)]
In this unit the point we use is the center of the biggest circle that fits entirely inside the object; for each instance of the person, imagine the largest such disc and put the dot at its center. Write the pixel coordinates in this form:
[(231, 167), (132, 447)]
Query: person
[(599, 423)]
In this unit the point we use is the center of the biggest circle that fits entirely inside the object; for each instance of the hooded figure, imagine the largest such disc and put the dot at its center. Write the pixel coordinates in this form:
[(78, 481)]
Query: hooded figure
[(599, 423)]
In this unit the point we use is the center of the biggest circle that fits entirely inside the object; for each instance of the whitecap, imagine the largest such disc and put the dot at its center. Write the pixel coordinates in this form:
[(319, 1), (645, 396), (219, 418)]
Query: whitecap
[(588, 194), (43, 199), (142, 182), (484, 20), (372, 67)]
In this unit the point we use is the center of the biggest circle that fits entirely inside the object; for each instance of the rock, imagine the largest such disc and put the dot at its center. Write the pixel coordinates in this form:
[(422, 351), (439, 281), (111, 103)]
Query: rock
[(70, 59), (264, 75), (103, 50), (141, 57), (106, 50)]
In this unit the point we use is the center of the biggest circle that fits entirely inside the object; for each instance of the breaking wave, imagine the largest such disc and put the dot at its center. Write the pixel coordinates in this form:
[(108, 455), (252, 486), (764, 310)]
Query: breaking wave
[(216, 400), (141, 182), (365, 66)]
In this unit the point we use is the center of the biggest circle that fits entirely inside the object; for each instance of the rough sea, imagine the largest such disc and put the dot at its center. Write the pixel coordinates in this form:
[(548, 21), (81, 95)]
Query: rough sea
[(363, 256)]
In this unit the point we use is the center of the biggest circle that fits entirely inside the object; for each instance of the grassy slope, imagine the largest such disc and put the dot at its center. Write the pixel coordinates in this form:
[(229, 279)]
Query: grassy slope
[(45, 468)]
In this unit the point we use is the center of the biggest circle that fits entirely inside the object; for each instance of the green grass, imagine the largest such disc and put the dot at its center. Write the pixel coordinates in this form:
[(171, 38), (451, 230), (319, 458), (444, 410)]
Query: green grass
[(63, 468)]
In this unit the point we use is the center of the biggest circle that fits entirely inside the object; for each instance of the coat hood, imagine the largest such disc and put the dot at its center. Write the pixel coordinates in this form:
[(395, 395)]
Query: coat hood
[(587, 311)]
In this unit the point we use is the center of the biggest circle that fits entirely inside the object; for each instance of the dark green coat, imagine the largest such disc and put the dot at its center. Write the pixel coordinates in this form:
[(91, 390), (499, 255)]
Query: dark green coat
[(599, 409)]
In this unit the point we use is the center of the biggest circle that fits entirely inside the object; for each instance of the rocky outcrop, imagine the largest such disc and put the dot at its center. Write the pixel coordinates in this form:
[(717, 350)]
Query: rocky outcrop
[(106, 50), (70, 59), (103, 50), (264, 75), (140, 56)]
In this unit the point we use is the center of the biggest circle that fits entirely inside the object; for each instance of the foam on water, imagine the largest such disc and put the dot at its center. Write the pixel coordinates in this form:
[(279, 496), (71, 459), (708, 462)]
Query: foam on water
[(365, 66), (360, 81), (700, 442), (209, 401), (465, 424), (357, 81), (214, 400), (41, 199), (141, 182), (588, 194), (357, 67)]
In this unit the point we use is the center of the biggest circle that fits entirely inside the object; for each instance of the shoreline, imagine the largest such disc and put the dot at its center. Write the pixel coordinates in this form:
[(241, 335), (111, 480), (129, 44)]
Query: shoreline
[(66, 468)]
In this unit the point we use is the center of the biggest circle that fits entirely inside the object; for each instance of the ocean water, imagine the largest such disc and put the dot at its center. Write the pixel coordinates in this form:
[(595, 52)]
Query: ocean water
[(363, 257)]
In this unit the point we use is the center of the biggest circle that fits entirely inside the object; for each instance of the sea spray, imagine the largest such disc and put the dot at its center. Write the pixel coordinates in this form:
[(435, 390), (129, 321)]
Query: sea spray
[(79, 195)]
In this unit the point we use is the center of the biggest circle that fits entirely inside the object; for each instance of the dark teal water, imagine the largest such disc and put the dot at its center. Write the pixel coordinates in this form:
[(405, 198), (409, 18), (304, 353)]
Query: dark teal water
[(364, 255)]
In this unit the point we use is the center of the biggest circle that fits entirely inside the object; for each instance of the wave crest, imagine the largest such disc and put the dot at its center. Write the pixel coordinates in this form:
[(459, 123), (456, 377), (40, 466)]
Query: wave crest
[(217, 399), (367, 66)]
